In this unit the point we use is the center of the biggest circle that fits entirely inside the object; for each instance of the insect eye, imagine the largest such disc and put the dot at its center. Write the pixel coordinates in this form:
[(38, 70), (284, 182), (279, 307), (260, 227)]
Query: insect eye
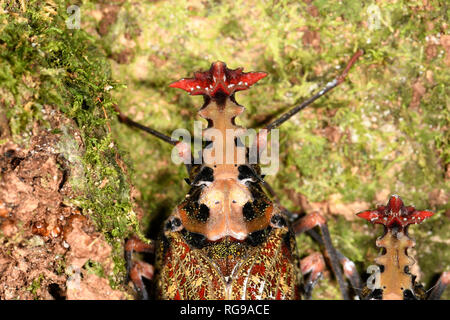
[(408, 295), (176, 222)]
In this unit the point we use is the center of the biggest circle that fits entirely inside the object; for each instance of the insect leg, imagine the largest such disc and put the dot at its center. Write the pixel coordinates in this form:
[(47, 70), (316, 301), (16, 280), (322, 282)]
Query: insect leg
[(313, 265), (351, 273), (315, 219), (136, 270), (348, 266), (438, 290)]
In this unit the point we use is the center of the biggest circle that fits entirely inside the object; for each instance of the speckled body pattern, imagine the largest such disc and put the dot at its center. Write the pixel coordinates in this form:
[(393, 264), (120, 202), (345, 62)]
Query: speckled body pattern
[(229, 269)]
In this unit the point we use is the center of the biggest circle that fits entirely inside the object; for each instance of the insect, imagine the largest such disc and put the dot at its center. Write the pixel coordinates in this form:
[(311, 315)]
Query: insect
[(227, 239), (393, 277)]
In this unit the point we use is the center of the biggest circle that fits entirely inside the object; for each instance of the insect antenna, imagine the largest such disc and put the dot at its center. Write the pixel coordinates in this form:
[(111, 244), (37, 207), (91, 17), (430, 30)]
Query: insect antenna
[(124, 119), (183, 149), (328, 87)]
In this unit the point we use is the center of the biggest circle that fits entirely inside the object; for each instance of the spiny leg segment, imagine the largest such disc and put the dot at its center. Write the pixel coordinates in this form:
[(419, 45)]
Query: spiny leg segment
[(136, 270)]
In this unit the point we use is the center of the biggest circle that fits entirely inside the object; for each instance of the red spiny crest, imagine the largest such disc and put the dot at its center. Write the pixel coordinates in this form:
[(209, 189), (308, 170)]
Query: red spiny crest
[(218, 79), (395, 213)]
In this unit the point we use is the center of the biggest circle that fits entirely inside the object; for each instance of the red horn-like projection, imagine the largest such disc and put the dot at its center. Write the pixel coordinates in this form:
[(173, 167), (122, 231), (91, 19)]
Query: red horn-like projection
[(395, 213), (218, 79)]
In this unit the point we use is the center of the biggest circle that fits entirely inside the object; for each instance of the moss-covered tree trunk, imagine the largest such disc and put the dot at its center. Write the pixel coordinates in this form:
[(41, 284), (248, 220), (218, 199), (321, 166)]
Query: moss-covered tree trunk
[(65, 199)]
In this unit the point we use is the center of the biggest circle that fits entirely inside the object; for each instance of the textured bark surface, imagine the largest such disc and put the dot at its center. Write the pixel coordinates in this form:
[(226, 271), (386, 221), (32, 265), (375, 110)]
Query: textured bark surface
[(48, 248)]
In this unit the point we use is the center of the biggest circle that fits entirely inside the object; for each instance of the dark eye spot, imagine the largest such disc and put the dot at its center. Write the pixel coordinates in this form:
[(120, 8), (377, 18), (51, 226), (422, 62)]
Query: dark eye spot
[(258, 237), (409, 295), (203, 214), (376, 294), (196, 240), (176, 222), (248, 211)]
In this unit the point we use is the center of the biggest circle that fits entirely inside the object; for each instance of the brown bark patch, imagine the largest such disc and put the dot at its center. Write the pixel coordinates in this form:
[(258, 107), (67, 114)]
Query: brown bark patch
[(39, 239)]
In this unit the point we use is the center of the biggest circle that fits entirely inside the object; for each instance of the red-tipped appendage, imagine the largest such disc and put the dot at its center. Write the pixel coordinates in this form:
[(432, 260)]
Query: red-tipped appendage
[(218, 79), (395, 213)]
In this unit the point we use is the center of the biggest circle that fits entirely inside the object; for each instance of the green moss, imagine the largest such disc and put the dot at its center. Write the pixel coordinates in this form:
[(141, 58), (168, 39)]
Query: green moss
[(44, 62), (60, 265), (36, 285), (94, 267)]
